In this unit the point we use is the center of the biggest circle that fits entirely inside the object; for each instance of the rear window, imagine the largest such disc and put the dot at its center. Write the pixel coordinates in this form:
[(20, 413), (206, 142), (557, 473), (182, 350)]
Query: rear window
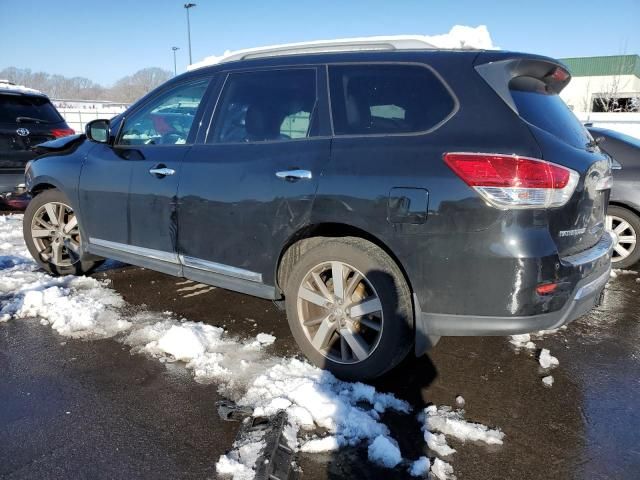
[(27, 109), (387, 99), (542, 107)]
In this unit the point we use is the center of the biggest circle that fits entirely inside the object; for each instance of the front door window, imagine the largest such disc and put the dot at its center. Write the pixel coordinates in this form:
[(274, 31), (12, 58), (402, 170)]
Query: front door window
[(167, 120)]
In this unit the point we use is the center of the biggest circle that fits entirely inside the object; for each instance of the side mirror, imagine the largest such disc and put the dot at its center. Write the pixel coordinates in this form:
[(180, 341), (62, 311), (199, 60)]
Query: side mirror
[(98, 131)]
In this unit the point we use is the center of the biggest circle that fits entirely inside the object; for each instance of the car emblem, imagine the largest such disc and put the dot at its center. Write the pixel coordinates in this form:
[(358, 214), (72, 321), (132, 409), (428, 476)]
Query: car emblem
[(23, 132)]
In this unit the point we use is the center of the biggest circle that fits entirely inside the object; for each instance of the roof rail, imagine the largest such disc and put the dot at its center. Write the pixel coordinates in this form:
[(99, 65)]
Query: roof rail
[(395, 42)]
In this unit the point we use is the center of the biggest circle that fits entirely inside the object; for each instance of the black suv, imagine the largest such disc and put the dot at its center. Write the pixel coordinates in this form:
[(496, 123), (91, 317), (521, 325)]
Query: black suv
[(27, 118), (389, 197)]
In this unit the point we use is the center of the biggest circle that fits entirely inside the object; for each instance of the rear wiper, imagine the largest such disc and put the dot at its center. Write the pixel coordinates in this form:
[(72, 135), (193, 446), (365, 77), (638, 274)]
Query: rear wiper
[(30, 120), (595, 142)]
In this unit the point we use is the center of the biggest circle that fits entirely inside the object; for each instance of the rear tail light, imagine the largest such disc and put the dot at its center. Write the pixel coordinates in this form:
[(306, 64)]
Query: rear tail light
[(62, 132), (511, 181)]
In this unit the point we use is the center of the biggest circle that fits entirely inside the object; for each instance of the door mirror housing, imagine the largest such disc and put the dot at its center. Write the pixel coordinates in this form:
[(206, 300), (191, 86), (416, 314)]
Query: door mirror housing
[(98, 131)]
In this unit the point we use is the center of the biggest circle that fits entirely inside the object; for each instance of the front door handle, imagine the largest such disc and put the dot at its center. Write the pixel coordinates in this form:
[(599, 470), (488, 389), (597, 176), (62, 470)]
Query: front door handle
[(294, 175), (161, 171)]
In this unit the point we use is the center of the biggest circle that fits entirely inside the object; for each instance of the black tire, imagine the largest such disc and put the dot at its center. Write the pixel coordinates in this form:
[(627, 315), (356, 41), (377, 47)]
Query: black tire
[(395, 338), (634, 221), (81, 266)]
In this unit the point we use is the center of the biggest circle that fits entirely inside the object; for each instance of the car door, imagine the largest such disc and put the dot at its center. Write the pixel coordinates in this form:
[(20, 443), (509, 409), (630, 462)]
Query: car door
[(145, 163), (251, 184)]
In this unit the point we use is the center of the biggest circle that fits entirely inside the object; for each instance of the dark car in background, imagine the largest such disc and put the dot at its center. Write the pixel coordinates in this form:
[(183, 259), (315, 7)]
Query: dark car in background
[(388, 197), (27, 118), (623, 217)]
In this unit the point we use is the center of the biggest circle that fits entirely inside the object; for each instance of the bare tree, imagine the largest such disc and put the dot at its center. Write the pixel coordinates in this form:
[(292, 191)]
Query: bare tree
[(127, 89), (134, 86), (612, 98)]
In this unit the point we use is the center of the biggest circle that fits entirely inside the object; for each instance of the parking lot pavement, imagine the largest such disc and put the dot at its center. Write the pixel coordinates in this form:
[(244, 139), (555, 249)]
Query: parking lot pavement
[(90, 409)]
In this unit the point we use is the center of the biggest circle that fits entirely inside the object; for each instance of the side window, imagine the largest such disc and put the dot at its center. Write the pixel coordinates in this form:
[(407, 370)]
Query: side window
[(266, 106), (386, 99), (167, 119)]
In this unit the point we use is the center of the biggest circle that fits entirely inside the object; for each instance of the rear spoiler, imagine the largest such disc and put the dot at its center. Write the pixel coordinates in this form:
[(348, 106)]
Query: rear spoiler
[(499, 72)]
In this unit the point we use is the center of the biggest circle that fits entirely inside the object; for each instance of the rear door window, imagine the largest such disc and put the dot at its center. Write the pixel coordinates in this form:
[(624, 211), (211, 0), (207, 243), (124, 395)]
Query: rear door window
[(27, 109), (387, 99), (542, 107), (270, 105)]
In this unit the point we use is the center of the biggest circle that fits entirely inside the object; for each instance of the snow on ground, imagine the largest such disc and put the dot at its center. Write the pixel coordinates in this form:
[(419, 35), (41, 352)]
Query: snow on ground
[(547, 381), (347, 414), (442, 422), (385, 451), (547, 360), (522, 341)]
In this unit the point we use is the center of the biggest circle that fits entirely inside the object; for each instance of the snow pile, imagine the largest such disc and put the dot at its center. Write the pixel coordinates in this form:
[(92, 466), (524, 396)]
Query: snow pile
[(385, 451), (7, 85), (239, 463), (525, 340), (438, 423), (452, 423), (619, 271), (547, 381), (442, 470), (347, 413), (464, 37), (522, 341), (547, 360), (459, 37), (420, 467)]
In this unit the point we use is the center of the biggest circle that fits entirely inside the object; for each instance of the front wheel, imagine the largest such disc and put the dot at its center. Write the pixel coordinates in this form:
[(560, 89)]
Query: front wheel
[(52, 235), (349, 308), (626, 225)]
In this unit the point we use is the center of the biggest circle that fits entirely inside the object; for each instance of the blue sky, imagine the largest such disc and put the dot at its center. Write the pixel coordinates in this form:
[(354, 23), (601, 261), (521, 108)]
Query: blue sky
[(105, 40)]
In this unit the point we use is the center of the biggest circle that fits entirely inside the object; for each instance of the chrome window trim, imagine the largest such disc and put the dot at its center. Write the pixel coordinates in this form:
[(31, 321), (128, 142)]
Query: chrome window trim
[(221, 268), (141, 251)]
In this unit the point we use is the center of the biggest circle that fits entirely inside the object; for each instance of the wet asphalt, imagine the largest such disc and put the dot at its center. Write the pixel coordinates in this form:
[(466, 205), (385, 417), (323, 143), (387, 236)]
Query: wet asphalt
[(90, 409)]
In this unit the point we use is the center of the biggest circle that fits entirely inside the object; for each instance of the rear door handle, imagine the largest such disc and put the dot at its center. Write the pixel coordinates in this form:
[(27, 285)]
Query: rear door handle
[(294, 175), (160, 171)]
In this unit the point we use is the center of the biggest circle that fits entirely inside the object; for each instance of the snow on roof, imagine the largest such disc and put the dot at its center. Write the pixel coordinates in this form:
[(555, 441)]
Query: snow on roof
[(7, 85), (459, 37)]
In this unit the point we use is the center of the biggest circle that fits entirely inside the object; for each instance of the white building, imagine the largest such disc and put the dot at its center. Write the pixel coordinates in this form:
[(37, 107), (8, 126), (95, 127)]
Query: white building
[(603, 84)]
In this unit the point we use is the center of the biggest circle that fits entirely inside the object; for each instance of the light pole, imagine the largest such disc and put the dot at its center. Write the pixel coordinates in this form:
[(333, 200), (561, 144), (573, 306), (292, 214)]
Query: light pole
[(175, 69), (187, 6)]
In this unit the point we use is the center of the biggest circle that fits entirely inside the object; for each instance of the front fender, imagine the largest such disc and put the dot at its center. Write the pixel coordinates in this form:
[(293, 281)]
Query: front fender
[(59, 169)]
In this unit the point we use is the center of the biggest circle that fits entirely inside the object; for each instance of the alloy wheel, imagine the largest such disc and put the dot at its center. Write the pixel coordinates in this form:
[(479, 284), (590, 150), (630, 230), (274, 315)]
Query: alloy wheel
[(340, 312), (55, 233), (626, 234)]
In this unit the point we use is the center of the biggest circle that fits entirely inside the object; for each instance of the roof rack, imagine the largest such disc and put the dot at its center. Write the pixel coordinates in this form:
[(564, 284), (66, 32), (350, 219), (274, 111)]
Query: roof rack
[(396, 42)]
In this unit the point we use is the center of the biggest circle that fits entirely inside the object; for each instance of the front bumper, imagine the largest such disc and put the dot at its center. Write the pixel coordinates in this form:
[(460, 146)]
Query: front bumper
[(584, 296), (10, 180)]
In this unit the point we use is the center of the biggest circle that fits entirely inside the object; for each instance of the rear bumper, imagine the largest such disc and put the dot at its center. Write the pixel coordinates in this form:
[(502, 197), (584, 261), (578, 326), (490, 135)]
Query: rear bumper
[(584, 296)]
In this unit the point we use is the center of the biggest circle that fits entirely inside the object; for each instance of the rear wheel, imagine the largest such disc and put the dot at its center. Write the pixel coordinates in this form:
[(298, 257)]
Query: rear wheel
[(52, 235), (349, 308), (626, 225)]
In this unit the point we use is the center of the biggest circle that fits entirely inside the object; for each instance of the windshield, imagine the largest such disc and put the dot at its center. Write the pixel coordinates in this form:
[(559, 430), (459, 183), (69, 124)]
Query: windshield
[(27, 109)]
